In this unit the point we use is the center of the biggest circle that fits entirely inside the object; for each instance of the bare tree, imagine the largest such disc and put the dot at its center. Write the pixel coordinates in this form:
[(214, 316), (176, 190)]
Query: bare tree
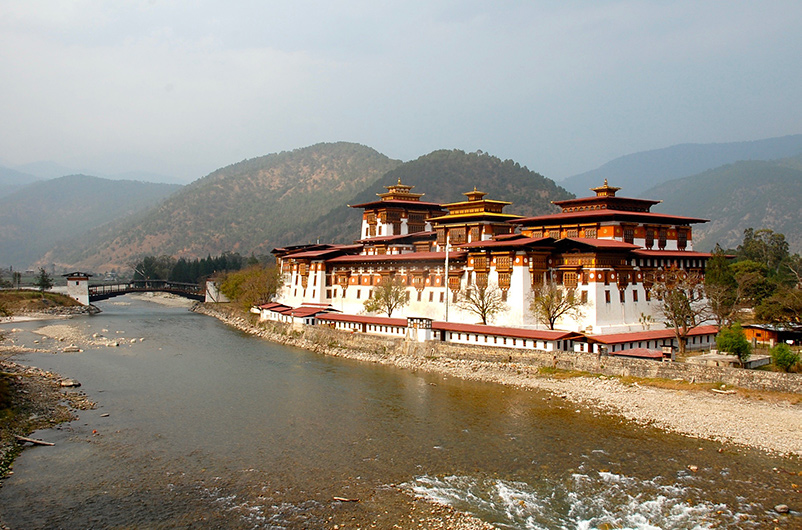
[(482, 300), (387, 297), (682, 302), (550, 303)]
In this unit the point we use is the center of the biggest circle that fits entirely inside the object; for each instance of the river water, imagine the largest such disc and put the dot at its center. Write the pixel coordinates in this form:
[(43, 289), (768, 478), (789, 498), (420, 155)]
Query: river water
[(201, 426)]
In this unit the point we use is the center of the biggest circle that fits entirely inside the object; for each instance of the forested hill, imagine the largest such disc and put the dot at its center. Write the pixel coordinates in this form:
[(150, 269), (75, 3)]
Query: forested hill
[(443, 176), (638, 172), (245, 207), (748, 194), (48, 212)]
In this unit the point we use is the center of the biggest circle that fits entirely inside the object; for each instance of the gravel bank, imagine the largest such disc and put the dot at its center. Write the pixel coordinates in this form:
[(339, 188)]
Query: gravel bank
[(773, 425)]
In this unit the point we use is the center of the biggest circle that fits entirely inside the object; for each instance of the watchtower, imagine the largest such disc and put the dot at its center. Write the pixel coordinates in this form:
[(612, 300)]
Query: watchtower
[(78, 286)]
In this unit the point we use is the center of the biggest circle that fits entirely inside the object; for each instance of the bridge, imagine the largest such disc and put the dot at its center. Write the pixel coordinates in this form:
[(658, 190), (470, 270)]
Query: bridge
[(187, 290)]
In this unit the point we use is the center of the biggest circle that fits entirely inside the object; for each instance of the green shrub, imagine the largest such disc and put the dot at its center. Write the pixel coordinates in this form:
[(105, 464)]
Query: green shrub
[(784, 357), (732, 339)]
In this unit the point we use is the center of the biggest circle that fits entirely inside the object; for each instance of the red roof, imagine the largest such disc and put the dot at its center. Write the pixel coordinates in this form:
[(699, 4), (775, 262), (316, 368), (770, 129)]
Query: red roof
[(305, 311), (667, 333), (365, 319), (595, 215), (408, 256), (274, 306), (506, 332), (412, 205), (600, 243), (322, 253)]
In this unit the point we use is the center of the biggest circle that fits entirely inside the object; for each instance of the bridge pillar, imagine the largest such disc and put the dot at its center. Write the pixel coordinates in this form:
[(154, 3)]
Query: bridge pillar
[(78, 286)]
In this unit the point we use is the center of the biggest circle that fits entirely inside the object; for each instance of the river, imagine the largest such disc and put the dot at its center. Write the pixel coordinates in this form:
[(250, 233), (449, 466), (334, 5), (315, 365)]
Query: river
[(201, 426)]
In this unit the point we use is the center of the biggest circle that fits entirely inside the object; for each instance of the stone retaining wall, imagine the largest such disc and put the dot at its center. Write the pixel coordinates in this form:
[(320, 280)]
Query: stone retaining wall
[(374, 348)]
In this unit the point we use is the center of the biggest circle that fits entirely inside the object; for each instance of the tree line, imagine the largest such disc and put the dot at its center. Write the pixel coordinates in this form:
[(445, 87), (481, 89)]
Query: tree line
[(189, 271)]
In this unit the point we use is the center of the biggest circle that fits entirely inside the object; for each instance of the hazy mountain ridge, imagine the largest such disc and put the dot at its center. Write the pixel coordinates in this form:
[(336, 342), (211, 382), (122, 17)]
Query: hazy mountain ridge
[(747, 194), (244, 207), (12, 180), (640, 171), (443, 176), (43, 214)]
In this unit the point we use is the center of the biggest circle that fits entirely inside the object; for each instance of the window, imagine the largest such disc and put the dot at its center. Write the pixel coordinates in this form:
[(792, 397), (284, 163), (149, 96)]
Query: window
[(635, 295), (358, 293), (584, 296), (590, 233), (431, 296), (606, 296), (682, 239), (662, 238), (622, 295), (649, 237), (442, 297), (629, 235), (419, 293)]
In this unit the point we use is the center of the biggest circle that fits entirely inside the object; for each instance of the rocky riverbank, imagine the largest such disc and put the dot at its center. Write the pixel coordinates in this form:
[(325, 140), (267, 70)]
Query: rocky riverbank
[(771, 422)]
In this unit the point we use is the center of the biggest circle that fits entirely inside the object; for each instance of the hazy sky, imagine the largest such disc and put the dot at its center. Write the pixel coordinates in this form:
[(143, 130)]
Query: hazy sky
[(184, 87)]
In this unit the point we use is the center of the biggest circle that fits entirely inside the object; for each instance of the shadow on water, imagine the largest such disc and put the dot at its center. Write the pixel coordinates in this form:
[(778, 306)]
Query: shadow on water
[(208, 427)]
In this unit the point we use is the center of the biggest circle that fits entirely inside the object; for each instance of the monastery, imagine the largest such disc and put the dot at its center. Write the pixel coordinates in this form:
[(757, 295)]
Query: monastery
[(606, 248)]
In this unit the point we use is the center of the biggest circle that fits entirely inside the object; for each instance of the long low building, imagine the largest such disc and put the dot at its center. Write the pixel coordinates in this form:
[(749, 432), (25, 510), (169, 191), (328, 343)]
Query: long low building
[(424, 329)]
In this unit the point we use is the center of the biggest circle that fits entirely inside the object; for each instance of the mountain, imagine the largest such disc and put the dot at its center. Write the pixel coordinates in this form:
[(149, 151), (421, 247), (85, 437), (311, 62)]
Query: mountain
[(443, 176), (45, 213), (245, 207), (748, 194), (46, 169), (638, 172), (11, 180)]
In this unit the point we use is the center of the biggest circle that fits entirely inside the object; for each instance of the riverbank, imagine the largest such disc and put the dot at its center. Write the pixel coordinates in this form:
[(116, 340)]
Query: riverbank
[(768, 421)]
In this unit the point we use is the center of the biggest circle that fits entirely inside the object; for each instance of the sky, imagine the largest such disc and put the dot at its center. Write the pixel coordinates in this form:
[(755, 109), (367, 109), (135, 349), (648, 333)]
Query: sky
[(181, 88)]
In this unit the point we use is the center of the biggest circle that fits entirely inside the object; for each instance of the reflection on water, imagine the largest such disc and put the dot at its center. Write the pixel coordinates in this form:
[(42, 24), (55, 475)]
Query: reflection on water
[(208, 427)]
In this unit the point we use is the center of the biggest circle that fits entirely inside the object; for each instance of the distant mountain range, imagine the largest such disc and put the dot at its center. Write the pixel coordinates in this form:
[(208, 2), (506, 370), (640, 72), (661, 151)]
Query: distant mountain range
[(41, 215), (748, 194), (301, 196), (246, 207), (639, 172), (12, 180)]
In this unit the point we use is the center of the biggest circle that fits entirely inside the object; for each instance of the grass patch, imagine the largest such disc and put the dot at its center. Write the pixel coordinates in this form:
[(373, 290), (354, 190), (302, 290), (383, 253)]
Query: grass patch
[(24, 300), (559, 373)]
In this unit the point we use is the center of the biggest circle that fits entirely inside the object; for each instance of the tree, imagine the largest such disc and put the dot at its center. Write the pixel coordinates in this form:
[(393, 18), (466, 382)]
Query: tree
[(252, 286), (153, 268), (483, 300), (732, 339), (387, 297), (682, 302), (43, 281), (783, 307), (721, 287), (551, 302), (784, 357), (766, 247)]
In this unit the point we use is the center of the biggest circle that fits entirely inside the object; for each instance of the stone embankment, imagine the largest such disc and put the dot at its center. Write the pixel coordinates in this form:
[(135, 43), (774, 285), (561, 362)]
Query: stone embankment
[(769, 422)]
